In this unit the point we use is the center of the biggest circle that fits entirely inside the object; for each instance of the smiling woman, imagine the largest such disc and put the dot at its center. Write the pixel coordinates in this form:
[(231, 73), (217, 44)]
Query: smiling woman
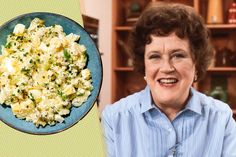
[(171, 48), (169, 72)]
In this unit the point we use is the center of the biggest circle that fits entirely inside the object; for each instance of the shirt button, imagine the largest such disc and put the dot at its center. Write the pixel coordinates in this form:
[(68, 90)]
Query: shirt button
[(169, 129)]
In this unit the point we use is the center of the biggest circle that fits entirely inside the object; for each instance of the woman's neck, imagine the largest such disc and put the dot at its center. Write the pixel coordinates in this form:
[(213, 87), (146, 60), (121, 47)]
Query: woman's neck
[(171, 110)]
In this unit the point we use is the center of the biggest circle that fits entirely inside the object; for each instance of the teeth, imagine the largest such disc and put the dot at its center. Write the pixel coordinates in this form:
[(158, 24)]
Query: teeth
[(167, 80)]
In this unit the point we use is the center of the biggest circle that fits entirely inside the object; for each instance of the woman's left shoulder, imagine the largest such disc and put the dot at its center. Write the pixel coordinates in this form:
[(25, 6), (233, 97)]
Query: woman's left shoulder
[(213, 104)]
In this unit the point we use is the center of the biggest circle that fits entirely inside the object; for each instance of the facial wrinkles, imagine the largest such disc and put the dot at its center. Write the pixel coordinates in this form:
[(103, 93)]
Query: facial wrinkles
[(163, 47), (165, 59), (166, 63), (166, 47)]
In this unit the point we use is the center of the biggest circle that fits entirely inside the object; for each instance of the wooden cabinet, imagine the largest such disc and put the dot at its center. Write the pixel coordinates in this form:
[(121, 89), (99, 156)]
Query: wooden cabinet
[(221, 73), (91, 26)]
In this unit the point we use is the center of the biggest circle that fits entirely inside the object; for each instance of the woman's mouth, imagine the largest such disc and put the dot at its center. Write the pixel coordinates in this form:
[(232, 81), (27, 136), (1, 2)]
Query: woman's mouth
[(167, 81)]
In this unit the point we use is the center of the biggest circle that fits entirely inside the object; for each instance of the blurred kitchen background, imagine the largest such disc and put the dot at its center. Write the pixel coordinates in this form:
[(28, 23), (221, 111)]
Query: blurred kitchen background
[(110, 22), (101, 10)]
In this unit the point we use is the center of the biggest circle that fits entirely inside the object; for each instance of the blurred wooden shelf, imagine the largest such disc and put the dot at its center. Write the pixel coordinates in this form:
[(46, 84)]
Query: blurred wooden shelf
[(222, 69), (221, 26), (124, 69), (123, 28), (91, 26), (90, 22), (210, 26)]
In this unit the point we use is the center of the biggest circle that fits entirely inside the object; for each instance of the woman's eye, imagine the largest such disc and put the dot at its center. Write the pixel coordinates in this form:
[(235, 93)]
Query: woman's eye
[(178, 55), (154, 56)]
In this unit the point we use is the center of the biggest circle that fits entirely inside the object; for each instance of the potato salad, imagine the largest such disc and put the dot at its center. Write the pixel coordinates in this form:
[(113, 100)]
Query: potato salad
[(43, 73)]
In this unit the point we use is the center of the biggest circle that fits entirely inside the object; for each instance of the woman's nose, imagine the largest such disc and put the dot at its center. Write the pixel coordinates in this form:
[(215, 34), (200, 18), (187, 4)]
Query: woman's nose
[(166, 66)]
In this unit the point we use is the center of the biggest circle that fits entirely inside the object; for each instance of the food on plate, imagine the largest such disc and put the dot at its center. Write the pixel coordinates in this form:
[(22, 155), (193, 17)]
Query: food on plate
[(43, 73)]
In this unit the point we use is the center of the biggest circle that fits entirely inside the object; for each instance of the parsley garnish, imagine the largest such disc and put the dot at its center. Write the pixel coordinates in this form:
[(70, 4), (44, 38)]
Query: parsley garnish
[(67, 55)]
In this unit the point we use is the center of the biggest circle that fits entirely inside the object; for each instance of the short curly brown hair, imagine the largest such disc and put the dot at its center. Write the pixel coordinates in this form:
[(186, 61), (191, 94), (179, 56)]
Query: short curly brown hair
[(161, 19)]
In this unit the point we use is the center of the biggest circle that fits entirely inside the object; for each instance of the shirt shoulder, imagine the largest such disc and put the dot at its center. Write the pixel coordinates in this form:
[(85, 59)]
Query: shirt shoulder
[(213, 105), (125, 105)]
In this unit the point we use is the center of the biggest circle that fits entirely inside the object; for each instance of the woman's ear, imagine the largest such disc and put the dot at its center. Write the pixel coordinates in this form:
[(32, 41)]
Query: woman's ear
[(195, 77), (145, 78)]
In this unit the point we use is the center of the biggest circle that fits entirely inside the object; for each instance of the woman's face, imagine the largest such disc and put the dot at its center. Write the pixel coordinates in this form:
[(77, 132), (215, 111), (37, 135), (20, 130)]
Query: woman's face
[(169, 69)]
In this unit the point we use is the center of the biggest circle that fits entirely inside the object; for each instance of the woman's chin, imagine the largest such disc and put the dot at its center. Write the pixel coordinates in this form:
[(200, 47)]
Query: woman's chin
[(167, 101)]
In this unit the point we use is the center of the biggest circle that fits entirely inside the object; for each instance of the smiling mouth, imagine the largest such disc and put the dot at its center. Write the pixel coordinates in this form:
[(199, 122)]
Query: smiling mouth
[(167, 81)]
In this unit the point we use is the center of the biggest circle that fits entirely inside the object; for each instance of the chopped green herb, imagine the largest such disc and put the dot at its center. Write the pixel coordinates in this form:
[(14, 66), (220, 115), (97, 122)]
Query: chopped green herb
[(25, 70), (8, 45), (19, 38), (31, 97), (62, 95), (25, 54), (67, 55), (38, 60)]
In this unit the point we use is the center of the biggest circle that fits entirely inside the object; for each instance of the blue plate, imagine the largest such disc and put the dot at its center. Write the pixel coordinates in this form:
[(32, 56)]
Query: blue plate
[(94, 64)]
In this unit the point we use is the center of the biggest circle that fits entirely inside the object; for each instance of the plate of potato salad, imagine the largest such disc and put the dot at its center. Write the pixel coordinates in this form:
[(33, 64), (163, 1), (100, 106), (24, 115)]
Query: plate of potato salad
[(50, 73)]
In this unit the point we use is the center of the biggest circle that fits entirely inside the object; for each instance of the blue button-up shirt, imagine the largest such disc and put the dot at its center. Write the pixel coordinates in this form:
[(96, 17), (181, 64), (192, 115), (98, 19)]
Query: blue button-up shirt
[(135, 127)]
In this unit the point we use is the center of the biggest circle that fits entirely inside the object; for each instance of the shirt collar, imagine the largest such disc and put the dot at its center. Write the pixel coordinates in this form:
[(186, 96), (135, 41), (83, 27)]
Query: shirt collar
[(146, 100), (192, 105)]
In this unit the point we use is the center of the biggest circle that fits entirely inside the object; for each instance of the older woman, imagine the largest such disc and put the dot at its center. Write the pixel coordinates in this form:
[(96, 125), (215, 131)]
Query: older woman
[(168, 118)]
